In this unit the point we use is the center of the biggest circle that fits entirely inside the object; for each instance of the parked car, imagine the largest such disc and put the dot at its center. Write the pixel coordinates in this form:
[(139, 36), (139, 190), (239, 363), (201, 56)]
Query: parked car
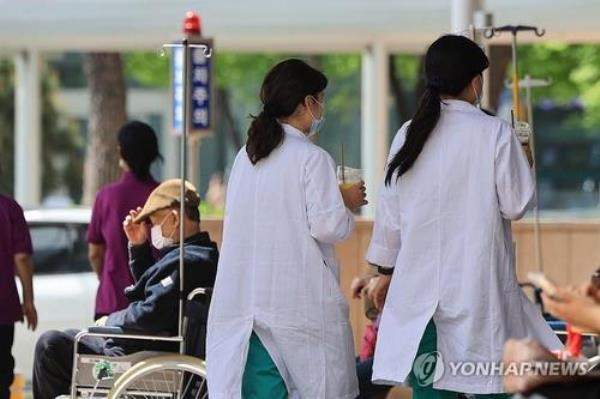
[(64, 283)]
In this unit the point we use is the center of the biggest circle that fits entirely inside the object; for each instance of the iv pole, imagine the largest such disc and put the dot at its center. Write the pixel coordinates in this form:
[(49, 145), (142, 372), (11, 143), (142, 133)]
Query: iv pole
[(516, 97), (528, 83), (186, 46), (514, 30)]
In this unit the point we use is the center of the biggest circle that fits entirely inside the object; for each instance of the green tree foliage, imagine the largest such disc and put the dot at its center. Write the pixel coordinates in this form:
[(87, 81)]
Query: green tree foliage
[(575, 73), (241, 75), (147, 69), (62, 146)]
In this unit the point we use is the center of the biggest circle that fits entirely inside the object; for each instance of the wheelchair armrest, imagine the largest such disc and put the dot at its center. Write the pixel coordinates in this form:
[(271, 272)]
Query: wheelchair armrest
[(205, 291), (106, 330), (119, 333)]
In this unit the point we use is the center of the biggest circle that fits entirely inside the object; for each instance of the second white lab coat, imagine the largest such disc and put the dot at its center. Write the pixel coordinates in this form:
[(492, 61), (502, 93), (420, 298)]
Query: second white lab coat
[(445, 227), (278, 275)]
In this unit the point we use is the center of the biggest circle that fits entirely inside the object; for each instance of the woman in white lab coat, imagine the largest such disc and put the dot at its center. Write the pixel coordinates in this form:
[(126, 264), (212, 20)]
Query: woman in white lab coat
[(278, 324), (455, 179)]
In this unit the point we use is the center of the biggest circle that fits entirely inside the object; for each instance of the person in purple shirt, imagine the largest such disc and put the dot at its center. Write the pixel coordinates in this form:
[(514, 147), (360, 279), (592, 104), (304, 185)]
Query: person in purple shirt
[(15, 258), (107, 251)]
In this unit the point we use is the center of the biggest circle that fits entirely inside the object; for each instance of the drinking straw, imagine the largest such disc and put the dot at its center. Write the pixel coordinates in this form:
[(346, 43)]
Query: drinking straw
[(343, 165)]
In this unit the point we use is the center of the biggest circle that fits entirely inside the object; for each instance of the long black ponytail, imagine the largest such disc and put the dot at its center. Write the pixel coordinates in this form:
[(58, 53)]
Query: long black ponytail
[(284, 88), (451, 63)]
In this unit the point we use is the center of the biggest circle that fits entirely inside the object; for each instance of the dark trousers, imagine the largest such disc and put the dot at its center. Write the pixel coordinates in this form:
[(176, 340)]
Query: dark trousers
[(53, 364), (367, 389), (7, 363)]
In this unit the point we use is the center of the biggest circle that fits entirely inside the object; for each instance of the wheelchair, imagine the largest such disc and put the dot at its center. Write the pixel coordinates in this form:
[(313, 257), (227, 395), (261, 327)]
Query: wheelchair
[(147, 374)]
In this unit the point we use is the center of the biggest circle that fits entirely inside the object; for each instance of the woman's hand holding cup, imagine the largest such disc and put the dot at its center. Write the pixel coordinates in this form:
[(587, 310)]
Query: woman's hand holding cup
[(354, 195)]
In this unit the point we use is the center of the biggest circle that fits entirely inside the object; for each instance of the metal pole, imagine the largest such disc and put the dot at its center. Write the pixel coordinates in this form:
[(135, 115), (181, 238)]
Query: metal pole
[(528, 83), (516, 98), (185, 46), (536, 210), (183, 154)]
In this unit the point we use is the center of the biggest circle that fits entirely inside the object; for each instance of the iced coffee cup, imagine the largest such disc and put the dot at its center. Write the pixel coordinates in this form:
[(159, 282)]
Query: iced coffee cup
[(348, 177)]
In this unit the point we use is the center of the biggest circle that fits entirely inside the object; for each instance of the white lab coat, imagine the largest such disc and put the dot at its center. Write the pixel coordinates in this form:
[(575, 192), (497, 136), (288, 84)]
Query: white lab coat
[(445, 227), (278, 275)]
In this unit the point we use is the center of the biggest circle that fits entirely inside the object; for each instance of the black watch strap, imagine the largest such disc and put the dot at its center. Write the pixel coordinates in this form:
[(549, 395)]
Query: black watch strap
[(386, 271)]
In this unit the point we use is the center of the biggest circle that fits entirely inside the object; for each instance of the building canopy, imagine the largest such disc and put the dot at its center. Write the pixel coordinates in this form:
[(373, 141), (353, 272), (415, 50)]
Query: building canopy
[(272, 25)]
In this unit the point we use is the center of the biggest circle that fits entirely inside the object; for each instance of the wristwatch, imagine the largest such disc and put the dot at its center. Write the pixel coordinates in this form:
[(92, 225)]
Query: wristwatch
[(386, 271)]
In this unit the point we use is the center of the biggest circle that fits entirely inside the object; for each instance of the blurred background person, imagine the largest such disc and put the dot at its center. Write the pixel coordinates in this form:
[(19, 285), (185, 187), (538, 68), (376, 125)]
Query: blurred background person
[(215, 195), (15, 258), (360, 289), (138, 149)]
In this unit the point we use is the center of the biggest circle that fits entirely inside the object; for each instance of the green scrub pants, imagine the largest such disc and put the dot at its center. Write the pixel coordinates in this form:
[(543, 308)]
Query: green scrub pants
[(428, 344), (261, 378)]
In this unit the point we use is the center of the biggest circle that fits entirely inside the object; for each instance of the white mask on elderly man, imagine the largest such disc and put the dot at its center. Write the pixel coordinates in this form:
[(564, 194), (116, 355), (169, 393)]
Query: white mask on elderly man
[(159, 241)]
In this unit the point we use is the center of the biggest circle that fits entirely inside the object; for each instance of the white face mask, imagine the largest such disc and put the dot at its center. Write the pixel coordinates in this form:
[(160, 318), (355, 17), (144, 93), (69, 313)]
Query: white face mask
[(477, 95), (316, 124), (158, 240)]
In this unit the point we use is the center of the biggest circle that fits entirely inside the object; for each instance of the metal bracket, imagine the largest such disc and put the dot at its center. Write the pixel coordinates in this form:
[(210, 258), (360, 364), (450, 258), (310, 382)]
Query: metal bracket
[(208, 51), (490, 32)]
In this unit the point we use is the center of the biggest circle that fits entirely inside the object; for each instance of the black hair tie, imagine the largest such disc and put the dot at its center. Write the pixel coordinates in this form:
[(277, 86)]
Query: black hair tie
[(433, 84)]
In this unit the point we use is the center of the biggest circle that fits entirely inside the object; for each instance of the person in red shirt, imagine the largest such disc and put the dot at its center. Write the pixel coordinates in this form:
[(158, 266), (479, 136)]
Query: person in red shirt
[(138, 148), (15, 259), (364, 362)]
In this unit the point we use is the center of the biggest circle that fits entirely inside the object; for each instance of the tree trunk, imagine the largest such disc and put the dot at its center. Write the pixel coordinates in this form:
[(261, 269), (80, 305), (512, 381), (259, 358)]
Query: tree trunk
[(225, 117), (500, 58), (398, 92), (104, 74)]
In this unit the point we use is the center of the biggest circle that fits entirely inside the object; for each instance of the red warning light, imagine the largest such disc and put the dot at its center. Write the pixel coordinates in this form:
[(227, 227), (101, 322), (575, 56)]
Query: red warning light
[(191, 24)]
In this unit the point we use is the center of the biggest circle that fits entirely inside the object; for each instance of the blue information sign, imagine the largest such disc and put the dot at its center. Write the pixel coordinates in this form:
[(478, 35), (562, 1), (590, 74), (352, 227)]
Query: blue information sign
[(200, 90)]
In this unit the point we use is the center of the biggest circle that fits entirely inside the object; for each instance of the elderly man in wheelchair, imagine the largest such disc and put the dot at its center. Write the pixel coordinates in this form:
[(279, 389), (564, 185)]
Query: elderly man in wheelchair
[(151, 322)]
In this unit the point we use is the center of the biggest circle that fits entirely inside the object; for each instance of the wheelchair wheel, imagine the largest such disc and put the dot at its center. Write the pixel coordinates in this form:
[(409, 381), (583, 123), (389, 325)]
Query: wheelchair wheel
[(170, 376)]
